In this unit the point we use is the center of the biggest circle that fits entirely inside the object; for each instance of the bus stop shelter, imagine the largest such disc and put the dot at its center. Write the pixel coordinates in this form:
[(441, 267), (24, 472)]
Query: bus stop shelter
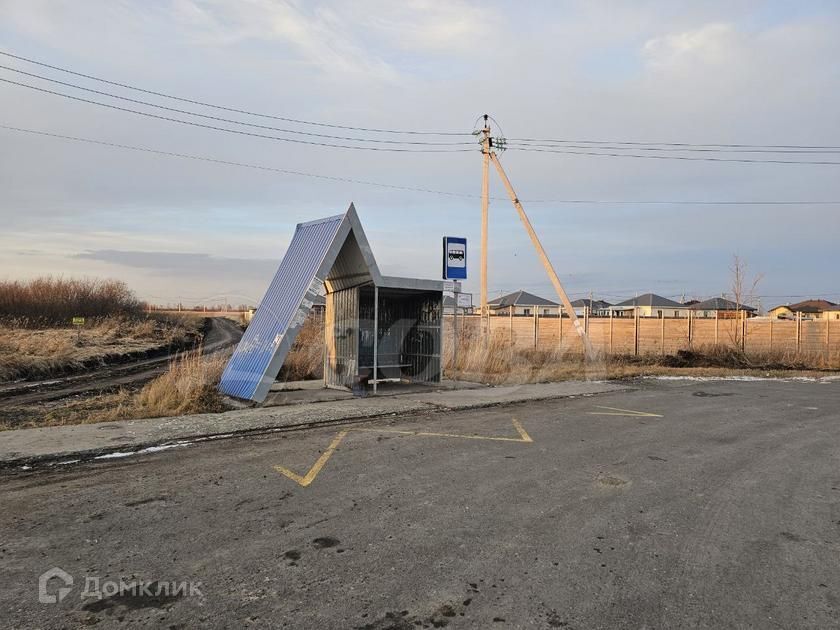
[(377, 328)]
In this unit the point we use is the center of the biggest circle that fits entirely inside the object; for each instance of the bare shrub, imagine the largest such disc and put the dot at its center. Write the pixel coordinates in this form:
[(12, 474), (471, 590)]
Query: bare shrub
[(49, 301), (306, 358)]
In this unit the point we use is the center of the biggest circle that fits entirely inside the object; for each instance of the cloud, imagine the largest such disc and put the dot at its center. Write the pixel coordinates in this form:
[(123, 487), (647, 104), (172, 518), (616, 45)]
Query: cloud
[(712, 43)]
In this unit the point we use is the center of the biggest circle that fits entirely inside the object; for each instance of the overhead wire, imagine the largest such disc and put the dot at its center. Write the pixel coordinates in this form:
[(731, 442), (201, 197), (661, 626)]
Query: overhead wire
[(804, 202), (229, 120), (233, 131), (237, 110)]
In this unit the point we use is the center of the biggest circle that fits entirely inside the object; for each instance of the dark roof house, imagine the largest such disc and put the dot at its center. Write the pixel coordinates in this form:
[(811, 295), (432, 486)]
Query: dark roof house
[(721, 304), (593, 305), (520, 298), (648, 299)]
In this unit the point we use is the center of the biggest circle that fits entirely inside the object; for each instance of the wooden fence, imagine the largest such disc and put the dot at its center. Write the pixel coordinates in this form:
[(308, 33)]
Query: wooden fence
[(646, 335)]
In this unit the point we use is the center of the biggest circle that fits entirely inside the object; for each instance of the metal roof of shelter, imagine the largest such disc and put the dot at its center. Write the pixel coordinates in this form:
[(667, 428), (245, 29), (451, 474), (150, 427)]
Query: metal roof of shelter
[(324, 256)]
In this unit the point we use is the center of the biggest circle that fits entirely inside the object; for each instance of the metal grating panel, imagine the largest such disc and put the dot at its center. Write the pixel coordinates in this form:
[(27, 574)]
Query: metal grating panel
[(260, 354)]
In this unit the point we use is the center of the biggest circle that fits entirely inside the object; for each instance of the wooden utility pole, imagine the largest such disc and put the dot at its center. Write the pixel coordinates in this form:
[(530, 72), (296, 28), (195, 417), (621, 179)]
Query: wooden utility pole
[(486, 145), (561, 292)]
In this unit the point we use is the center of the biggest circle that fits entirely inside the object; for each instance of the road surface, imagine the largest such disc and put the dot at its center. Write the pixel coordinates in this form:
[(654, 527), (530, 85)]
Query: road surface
[(680, 504)]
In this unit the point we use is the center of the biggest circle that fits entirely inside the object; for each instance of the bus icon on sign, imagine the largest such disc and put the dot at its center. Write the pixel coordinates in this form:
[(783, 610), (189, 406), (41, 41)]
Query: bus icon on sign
[(454, 258)]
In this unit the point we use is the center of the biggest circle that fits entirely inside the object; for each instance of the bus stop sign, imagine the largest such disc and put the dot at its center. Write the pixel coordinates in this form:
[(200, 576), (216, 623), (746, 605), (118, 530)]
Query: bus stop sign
[(454, 258)]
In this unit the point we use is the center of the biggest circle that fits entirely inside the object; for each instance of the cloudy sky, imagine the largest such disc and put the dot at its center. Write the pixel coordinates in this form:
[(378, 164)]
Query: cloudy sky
[(728, 72)]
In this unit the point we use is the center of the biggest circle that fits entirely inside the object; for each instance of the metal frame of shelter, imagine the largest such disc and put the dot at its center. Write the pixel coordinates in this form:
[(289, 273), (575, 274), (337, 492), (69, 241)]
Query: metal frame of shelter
[(377, 328)]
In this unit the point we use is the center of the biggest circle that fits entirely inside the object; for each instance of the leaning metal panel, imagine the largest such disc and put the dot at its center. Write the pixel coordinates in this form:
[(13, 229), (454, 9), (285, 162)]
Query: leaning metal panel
[(300, 278)]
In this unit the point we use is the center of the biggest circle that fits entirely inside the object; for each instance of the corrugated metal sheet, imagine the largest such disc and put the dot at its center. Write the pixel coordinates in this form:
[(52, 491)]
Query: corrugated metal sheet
[(254, 365)]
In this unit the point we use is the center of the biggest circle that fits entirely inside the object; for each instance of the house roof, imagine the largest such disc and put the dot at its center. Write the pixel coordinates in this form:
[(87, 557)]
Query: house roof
[(721, 304), (520, 298), (649, 299), (813, 306), (593, 305)]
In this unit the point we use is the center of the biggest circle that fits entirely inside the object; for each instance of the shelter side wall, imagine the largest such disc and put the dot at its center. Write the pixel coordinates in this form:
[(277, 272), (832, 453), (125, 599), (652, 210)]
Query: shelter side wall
[(341, 330)]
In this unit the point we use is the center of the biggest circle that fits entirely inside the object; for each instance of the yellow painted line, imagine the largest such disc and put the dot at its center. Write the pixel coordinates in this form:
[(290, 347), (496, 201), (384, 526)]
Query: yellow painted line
[(523, 436), (325, 456), (614, 411), (317, 466)]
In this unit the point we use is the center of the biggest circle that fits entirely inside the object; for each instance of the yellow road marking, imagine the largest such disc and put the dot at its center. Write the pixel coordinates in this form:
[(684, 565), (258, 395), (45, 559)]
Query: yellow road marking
[(325, 456), (523, 436), (614, 411), (316, 468)]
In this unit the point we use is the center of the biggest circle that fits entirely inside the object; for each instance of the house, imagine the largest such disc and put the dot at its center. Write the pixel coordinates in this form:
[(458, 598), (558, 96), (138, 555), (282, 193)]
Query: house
[(649, 305), (598, 308), (807, 309), (721, 308), (523, 303)]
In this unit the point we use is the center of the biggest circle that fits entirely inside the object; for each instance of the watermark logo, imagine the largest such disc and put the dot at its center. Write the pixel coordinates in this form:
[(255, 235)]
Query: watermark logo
[(44, 596), (96, 588)]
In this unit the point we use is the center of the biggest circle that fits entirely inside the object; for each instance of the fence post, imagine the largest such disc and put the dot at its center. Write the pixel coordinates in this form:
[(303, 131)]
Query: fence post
[(662, 336), (827, 339), (636, 333), (771, 334), (586, 319), (611, 332), (744, 332), (536, 325), (560, 343), (689, 328), (798, 331), (510, 311), (717, 326)]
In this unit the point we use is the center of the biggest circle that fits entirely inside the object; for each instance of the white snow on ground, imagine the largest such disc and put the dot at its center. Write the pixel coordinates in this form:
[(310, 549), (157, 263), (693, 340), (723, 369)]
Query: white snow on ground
[(142, 451)]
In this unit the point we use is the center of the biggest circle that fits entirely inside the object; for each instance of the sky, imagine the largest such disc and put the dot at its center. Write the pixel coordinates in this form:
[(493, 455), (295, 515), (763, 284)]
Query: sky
[(175, 229)]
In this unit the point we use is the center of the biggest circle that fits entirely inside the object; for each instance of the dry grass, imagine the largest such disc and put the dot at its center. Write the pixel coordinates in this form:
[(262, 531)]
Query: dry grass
[(189, 386), (49, 301), (497, 361), (306, 359), (27, 353)]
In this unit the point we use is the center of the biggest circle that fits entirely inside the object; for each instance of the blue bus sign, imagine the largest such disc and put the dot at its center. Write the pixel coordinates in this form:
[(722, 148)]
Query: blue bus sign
[(454, 258)]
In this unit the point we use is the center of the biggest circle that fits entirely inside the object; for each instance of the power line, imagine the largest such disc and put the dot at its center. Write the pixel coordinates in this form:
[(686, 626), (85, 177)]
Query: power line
[(232, 109), (228, 120), (412, 188), (677, 144), (230, 162), (667, 149), (235, 131), (675, 157)]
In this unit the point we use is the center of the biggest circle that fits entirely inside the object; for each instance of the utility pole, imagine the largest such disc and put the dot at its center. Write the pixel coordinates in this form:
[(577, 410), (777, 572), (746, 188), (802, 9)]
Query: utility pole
[(486, 146), (561, 292)]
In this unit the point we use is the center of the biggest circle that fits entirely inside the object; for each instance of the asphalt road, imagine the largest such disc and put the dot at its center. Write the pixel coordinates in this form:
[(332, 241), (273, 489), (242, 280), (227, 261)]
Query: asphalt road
[(720, 508)]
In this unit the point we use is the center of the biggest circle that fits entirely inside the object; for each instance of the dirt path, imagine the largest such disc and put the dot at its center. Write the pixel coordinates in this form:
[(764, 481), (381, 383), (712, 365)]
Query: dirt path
[(222, 333)]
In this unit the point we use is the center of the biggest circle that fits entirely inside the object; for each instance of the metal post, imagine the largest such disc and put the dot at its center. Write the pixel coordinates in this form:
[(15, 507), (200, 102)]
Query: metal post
[(375, 336), (510, 311), (717, 326), (455, 340), (561, 292)]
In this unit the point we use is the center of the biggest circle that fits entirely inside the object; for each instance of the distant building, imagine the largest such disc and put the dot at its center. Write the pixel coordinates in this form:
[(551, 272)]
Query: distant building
[(649, 305), (449, 306), (807, 309), (721, 308), (597, 308), (523, 303)]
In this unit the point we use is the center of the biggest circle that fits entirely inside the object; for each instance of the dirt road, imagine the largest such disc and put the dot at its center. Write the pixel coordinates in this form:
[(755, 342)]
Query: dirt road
[(222, 333)]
